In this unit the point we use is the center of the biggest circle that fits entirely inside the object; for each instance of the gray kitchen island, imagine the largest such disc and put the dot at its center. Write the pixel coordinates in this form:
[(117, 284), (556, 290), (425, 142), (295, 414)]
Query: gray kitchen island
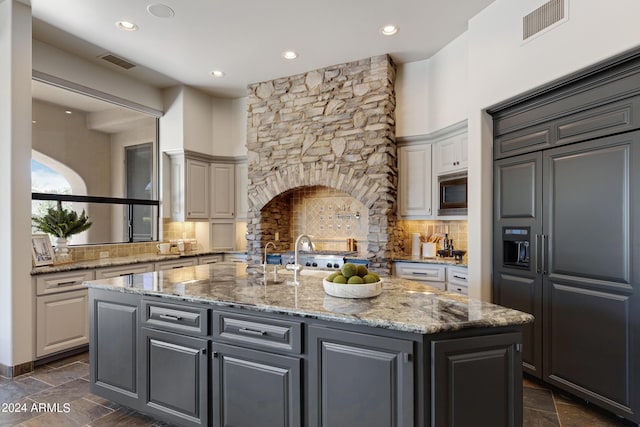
[(213, 345)]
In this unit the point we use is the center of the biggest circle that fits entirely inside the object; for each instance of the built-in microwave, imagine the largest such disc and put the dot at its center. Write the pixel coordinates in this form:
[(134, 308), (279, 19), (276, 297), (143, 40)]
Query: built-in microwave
[(453, 194)]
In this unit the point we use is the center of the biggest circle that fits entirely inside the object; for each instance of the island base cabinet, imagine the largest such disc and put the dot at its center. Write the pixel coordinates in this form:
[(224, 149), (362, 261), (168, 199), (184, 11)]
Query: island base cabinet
[(476, 381), (359, 380), (175, 377), (255, 388), (113, 346)]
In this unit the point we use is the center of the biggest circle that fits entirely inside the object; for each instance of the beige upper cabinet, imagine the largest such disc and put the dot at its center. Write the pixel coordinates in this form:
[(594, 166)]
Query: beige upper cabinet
[(189, 188), (222, 176), (242, 182), (451, 155), (414, 180)]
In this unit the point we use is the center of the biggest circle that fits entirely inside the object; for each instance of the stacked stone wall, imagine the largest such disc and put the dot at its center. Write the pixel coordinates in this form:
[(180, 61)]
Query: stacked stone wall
[(333, 127)]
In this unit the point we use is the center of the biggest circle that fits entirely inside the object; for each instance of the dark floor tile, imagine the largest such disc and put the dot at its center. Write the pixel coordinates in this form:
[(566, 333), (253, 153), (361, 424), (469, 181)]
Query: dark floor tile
[(50, 419), (535, 418), (84, 411), (82, 357), (531, 382), (539, 399), (586, 415), (65, 393), (124, 418), (66, 373), (14, 415), (16, 390), (102, 401)]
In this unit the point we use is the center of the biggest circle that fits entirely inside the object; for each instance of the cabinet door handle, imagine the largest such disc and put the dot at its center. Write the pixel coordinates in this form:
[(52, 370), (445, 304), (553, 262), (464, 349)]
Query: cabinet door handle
[(252, 331), (170, 317), (544, 253), (459, 277), (537, 257)]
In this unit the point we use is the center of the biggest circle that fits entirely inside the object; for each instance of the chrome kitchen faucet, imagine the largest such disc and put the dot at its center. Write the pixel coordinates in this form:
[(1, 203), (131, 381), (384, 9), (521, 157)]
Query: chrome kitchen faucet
[(296, 266)]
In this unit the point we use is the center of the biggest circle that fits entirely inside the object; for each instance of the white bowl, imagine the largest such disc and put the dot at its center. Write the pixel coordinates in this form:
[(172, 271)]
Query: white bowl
[(342, 290)]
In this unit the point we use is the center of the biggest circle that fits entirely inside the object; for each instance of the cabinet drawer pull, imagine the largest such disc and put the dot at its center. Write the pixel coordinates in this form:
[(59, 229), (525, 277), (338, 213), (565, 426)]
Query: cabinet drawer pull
[(252, 331), (170, 317), (459, 277), (69, 283), (418, 273)]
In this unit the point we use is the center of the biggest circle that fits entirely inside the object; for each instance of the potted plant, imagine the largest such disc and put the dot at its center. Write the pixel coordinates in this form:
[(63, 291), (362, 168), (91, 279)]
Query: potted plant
[(62, 224)]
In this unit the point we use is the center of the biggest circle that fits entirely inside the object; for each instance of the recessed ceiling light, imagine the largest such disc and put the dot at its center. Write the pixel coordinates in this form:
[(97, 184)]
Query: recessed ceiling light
[(289, 54), (126, 26), (34, 122), (388, 30), (160, 10), (217, 73), (68, 111)]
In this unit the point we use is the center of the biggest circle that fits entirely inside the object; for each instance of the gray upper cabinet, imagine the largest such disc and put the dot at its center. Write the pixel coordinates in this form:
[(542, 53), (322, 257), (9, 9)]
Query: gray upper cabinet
[(567, 170), (189, 187), (351, 370), (242, 182), (223, 190)]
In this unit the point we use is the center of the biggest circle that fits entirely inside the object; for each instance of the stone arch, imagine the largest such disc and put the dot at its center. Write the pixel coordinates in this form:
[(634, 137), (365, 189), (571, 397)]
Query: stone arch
[(281, 180)]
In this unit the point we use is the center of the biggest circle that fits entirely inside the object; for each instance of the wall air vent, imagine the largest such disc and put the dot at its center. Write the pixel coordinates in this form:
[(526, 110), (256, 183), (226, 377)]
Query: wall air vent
[(117, 61), (549, 15)]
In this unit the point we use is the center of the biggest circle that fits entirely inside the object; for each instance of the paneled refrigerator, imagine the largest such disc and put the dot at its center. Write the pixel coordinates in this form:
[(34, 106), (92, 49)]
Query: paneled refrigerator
[(566, 245)]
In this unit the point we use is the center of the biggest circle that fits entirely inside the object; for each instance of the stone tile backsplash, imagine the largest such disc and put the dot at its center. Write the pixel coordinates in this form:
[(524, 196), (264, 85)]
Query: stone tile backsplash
[(331, 217), (457, 230)]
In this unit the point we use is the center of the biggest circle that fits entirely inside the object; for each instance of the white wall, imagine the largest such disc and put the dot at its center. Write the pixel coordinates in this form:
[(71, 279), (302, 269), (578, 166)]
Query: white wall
[(16, 292), (197, 115), (412, 98), (229, 121)]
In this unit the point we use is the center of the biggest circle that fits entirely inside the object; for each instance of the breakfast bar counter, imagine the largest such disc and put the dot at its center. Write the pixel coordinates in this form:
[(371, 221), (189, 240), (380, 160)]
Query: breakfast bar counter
[(213, 345)]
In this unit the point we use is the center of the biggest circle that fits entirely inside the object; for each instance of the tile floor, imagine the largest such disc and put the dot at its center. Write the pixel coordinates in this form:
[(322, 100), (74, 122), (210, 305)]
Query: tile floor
[(549, 407), (64, 386)]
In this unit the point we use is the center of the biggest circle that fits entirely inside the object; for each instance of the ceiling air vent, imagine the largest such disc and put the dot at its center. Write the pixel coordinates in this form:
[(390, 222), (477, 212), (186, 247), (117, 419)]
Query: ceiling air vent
[(117, 61), (550, 13)]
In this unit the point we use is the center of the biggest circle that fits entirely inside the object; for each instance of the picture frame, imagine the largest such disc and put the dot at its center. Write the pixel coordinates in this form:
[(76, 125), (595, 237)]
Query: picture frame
[(41, 250)]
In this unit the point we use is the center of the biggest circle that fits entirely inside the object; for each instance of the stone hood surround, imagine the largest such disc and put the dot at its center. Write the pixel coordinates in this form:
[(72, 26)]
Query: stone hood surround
[(333, 127)]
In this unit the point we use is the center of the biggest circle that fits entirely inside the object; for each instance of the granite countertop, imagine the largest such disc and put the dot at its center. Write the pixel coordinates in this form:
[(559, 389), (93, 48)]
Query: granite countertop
[(434, 260), (116, 261), (404, 305)]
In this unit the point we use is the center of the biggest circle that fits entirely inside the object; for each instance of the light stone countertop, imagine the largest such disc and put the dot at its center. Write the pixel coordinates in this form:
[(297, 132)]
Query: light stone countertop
[(404, 305), (116, 261)]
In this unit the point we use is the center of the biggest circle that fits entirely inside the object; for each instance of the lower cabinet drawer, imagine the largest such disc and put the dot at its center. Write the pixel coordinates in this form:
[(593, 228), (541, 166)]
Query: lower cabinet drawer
[(176, 317), (459, 289), (258, 332), (62, 282), (420, 272)]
